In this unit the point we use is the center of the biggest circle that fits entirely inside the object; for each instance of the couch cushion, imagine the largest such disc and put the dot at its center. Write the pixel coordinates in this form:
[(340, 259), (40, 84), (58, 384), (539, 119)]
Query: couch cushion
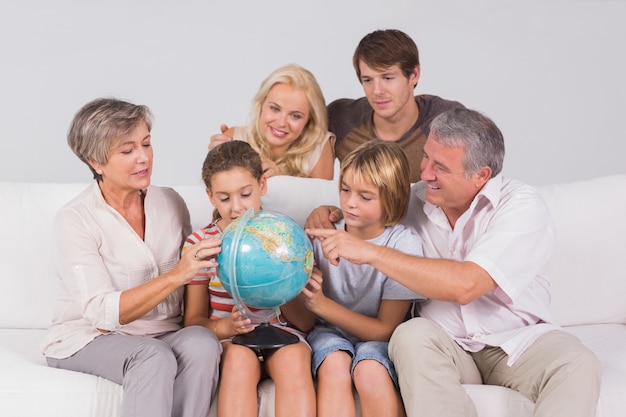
[(607, 341), (589, 270), (28, 387)]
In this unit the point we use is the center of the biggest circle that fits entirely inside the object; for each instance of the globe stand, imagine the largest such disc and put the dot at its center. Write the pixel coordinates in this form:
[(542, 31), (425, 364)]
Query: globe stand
[(265, 337)]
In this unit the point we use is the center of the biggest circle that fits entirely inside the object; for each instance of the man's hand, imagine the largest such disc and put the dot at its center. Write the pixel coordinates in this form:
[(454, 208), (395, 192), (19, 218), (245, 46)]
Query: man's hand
[(219, 137), (338, 244), (323, 217)]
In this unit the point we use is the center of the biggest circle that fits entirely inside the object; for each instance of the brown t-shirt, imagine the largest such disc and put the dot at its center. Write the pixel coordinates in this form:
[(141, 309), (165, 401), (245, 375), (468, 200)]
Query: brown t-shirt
[(351, 121)]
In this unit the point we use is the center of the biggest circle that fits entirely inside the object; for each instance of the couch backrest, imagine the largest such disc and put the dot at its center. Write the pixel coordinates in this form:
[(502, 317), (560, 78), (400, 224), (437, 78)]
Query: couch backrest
[(588, 281), (589, 270), (27, 281), (28, 284)]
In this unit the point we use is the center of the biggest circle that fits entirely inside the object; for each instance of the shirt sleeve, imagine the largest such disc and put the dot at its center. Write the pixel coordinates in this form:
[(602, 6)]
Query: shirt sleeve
[(516, 245), (83, 272)]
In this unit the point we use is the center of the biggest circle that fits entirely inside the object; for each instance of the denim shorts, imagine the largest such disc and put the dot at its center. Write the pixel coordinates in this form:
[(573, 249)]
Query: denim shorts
[(324, 341)]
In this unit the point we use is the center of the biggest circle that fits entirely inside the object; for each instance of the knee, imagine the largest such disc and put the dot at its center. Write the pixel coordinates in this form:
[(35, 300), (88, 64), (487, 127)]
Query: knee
[(335, 369), (583, 365), (239, 360), (155, 356), (369, 375), (411, 336), (296, 352), (199, 346), (297, 355)]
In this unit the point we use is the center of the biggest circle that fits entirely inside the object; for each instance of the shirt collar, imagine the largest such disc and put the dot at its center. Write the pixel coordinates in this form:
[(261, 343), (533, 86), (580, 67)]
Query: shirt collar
[(490, 192)]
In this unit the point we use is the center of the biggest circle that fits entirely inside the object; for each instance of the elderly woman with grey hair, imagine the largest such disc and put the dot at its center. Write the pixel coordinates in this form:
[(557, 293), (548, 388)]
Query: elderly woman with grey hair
[(118, 257)]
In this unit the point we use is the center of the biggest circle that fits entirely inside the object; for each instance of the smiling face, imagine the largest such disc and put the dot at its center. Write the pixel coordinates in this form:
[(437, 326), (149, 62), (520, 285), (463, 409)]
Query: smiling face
[(447, 184), (129, 165), (361, 205), (234, 191), (389, 91), (284, 115)]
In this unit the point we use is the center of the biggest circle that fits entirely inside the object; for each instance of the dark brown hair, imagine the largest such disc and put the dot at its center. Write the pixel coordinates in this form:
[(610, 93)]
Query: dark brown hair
[(384, 48)]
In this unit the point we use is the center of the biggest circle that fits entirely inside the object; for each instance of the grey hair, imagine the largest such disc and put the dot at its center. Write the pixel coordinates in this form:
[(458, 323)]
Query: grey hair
[(476, 133), (99, 125)]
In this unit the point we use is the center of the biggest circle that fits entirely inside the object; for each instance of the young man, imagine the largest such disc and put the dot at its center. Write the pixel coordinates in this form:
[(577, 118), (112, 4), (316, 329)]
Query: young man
[(387, 66), (488, 242)]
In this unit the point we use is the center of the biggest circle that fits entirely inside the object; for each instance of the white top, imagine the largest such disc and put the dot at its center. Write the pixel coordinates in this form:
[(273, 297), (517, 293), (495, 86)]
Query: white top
[(309, 163), (508, 232), (98, 255)]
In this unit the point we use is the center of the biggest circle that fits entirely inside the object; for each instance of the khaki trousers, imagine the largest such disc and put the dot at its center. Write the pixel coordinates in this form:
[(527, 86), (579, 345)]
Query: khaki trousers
[(557, 372)]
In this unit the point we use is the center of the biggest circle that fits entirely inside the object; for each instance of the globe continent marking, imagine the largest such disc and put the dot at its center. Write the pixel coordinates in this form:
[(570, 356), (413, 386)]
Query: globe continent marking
[(272, 262)]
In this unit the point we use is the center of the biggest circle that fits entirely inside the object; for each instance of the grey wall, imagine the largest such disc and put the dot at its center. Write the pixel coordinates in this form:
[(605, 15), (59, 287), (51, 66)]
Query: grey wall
[(550, 73)]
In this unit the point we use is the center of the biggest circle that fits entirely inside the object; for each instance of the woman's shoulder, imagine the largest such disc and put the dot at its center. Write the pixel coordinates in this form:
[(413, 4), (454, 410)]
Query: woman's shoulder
[(85, 201), (163, 198), (163, 192)]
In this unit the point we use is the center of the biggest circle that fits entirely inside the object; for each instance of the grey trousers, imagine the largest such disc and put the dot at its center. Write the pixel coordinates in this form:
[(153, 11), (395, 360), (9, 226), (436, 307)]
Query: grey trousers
[(173, 375), (557, 372)]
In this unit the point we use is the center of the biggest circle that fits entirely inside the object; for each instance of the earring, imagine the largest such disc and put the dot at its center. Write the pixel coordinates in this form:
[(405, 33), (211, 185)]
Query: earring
[(99, 171)]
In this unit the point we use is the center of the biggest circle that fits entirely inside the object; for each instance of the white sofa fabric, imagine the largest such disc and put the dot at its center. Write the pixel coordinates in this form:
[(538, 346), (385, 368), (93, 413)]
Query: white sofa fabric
[(588, 292)]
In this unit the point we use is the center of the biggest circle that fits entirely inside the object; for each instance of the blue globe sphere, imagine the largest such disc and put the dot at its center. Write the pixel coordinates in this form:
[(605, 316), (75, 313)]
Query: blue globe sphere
[(266, 259)]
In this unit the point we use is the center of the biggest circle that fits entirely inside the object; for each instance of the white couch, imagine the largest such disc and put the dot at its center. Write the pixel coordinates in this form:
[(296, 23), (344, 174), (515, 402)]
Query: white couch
[(589, 292)]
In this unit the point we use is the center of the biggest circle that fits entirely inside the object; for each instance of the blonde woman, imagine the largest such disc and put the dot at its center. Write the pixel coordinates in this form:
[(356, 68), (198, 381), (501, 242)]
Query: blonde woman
[(288, 126)]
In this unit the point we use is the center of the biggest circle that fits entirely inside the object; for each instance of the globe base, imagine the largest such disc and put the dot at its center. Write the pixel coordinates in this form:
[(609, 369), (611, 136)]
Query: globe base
[(266, 336)]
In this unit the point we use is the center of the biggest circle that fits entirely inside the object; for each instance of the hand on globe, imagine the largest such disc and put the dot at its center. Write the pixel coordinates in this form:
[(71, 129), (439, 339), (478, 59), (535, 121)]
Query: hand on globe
[(239, 323), (313, 294)]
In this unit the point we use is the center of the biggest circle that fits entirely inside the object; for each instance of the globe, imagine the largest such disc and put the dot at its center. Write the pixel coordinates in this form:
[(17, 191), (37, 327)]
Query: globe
[(265, 261)]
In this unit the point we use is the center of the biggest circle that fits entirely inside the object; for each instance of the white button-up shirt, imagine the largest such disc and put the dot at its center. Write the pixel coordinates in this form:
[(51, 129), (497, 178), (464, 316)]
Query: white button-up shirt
[(98, 256), (507, 231)]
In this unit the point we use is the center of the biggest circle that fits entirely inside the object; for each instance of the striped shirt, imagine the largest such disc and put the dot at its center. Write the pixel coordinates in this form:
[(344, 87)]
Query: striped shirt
[(221, 302)]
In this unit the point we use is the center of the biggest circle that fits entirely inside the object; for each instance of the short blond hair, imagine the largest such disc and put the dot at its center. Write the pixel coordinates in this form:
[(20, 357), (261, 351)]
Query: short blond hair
[(384, 165)]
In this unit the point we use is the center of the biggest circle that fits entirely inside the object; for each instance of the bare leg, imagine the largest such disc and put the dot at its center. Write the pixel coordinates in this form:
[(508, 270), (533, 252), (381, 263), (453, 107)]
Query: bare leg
[(335, 395), (290, 369), (241, 372), (377, 393)]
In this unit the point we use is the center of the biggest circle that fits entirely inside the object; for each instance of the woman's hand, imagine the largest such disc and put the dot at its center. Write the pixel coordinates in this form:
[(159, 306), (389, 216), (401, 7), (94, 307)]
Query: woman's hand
[(136, 302), (270, 168), (223, 136), (201, 255)]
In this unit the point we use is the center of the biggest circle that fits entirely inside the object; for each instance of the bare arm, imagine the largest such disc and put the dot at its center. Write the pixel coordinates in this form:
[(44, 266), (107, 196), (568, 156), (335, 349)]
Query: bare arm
[(390, 313), (136, 302), (439, 279), (296, 312), (325, 166), (197, 313)]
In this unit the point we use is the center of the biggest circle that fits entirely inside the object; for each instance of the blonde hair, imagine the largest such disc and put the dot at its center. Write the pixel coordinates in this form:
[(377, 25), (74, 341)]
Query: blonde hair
[(313, 133), (384, 165)]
